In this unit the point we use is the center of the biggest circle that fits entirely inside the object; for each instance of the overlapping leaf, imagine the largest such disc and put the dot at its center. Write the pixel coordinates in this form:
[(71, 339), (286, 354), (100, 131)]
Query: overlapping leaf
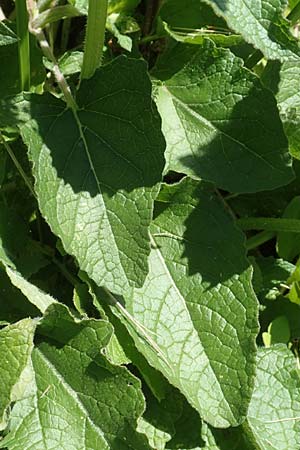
[(273, 417), (97, 172), (283, 80), (7, 36), (198, 305), (222, 125), (16, 344), (75, 399), (189, 15), (261, 24)]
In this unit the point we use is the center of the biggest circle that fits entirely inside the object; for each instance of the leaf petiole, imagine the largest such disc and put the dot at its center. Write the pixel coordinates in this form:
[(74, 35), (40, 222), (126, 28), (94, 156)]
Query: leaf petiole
[(17, 164)]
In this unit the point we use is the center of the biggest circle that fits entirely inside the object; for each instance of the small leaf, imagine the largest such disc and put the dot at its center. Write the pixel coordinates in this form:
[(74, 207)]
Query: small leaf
[(113, 25), (16, 344), (13, 304), (278, 332), (38, 298), (7, 36), (55, 14), (220, 124), (69, 63)]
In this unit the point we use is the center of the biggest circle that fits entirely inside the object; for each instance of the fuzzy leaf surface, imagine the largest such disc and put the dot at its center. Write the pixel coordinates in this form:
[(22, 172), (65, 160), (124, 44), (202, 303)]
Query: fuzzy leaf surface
[(16, 344), (274, 410), (97, 171), (198, 304), (261, 24), (284, 80), (75, 399), (221, 125)]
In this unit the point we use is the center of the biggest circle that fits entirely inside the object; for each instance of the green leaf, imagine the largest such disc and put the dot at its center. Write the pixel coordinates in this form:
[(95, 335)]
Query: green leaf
[(13, 233), (273, 416), (10, 77), (217, 439), (69, 63), (294, 283), (191, 14), (114, 6), (197, 304), (17, 250), (278, 332), (283, 80), (75, 398), (288, 244), (173, 59), (193, 21), (197, 37), (54, 14), (222, 125), (274, 273), (261, 24), (16, 343), (270, 224), (267, 203), (188, 429), (97, 172), (159, 418), (122, 5), (13, 304), (7, 36), (154, 379), (36, 296), (113, 23)]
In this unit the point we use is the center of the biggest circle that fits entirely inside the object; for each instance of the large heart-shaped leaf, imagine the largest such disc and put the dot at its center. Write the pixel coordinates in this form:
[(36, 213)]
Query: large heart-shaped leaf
[(222, 125), (97, 171), (197, 304)]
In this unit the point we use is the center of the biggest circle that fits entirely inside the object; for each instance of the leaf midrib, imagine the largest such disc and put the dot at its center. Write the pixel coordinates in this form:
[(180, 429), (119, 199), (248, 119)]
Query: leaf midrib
[(210, 125), (100, 196), (173, 283), (70, 391)]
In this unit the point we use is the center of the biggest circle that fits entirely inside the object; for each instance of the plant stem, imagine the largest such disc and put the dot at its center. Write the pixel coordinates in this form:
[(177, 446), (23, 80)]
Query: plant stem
[(23, 44), (152, 37), (269, 224), (259, 239), (56, 70), (225, 204), (17, 164), (152, 8), (48, 251), (65, 272), (94, 39), (65, 35), (253, 59), (294, 14)]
